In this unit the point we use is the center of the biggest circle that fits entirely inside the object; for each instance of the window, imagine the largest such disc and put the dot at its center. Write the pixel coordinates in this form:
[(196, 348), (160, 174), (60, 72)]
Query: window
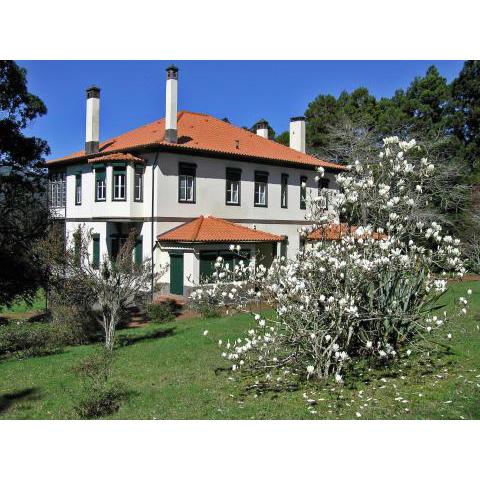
[(323, 183), (261, 189), (57, 189), (301, 242), (303, 193), (208, 259), (96, 250), (284, 191), (233, 186), (100, 185), (78, 188), (119, 184), (186, 183), (284, 247), (138, 187)]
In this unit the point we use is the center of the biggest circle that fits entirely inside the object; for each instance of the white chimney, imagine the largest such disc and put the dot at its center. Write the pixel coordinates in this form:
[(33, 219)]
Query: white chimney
[(297, 133), (92, 128), (262, 128), (171, 105)]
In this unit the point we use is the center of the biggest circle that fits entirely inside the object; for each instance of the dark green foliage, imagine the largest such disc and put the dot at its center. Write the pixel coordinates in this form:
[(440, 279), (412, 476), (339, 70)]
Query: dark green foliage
[(443, 117), (466, 117), (23, 209), (162, 312), (82, 325), (24, 339), (100, 395), (283, 138)]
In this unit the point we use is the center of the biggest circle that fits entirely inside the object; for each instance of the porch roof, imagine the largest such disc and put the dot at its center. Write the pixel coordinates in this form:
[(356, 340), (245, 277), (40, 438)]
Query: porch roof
[(215, 230), (336, 231)]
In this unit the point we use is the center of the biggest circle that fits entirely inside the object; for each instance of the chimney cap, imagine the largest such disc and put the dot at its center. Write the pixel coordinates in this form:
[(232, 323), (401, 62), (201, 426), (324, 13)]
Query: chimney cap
[(297, 119), (172, 72), (262, 123), (93, 92)]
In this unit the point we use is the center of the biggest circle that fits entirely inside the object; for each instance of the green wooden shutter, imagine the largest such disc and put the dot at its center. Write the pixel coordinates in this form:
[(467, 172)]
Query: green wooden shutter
[(176, 273), (96, 250), (139, 251)]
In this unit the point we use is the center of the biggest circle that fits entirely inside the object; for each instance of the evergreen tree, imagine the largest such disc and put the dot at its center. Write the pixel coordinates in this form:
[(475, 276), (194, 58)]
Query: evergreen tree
[(466, 119), (23, 210)]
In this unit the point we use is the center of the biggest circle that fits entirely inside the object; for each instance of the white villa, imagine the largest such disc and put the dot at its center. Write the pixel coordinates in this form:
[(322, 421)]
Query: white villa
[(191, 185)]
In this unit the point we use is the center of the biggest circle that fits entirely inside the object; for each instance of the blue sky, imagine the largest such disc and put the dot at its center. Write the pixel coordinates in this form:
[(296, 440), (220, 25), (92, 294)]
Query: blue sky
[(133, 92)]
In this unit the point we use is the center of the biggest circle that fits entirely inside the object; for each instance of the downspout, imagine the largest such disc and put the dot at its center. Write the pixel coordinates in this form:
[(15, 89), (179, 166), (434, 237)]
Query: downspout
[(152, 218)]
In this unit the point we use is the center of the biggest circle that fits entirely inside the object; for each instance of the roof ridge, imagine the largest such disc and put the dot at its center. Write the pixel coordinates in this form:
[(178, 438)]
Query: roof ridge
[(200, 223)]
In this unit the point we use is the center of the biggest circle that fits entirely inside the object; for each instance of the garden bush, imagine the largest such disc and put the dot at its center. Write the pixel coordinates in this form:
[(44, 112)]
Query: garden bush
[(100, 396), (81, 326), (25, 339), (161, 312)]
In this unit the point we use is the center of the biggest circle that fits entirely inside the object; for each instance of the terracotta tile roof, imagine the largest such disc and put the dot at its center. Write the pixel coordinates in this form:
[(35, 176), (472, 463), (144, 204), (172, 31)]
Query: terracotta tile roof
[(204, 133), (123, 157), (215, 230), (336, 231)]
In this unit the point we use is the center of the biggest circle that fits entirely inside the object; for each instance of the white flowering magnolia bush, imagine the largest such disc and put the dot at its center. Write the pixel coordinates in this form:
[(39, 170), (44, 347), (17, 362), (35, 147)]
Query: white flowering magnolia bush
[(374, 293)]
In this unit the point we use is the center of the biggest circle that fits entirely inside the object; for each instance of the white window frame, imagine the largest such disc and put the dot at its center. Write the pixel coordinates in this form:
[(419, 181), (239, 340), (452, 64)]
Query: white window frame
[(119, 186), (102, 190)]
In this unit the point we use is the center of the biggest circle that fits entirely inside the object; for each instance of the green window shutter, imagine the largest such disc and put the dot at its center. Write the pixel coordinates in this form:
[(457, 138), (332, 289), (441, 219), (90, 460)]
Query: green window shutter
[(139, 251), (96, 250)]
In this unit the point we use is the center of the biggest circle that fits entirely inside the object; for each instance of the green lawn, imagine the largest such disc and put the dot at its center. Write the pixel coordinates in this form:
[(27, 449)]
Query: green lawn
[(22, 309), (171, 373)]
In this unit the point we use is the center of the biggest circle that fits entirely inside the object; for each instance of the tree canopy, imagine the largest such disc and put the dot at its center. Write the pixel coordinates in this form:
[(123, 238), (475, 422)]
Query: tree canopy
[(23, 209)]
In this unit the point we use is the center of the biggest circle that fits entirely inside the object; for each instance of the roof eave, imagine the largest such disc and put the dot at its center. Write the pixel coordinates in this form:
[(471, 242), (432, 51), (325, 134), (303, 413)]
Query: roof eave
[(194, 151)]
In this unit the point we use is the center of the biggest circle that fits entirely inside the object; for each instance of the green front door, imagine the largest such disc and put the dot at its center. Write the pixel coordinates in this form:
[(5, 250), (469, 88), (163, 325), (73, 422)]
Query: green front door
[(176, 273)]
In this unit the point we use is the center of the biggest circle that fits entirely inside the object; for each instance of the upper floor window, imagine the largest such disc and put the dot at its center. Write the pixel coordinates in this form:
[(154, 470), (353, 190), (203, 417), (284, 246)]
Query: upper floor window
[(323, 183), (284, 191), (57, 189), (100, 184), (233, 186), (303, 193), (78, 188), (261, 189), (186, 183), (119, 183), (138, 187)]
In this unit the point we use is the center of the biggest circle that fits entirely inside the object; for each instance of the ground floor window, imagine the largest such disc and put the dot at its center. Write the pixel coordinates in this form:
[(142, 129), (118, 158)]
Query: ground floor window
[(284, 247), (208, 259), (96, 250)]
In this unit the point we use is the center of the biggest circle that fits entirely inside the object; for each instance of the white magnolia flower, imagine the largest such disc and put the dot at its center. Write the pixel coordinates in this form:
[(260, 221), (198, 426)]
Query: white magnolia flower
[(205, 333)]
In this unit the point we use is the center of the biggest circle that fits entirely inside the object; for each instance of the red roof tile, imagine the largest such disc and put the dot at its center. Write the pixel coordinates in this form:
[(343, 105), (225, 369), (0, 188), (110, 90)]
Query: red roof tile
[(215, 230), (336, 231), (204, 133), (123, 157)]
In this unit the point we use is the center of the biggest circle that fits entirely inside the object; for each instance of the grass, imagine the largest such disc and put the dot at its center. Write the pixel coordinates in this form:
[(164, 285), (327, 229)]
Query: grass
[(173, 371), (23, 310)]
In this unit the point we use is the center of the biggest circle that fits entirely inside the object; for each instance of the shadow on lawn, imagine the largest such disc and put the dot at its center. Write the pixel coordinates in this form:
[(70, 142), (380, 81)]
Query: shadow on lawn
[(7, 400), (126, 340)]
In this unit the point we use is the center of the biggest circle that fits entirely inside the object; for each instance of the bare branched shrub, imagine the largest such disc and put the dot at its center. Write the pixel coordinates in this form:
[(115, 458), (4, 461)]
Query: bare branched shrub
[(107, 290)]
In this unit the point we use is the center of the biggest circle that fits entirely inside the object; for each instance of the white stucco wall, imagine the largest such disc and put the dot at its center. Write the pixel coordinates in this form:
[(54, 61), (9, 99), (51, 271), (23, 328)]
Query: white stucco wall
[(168, 213)]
